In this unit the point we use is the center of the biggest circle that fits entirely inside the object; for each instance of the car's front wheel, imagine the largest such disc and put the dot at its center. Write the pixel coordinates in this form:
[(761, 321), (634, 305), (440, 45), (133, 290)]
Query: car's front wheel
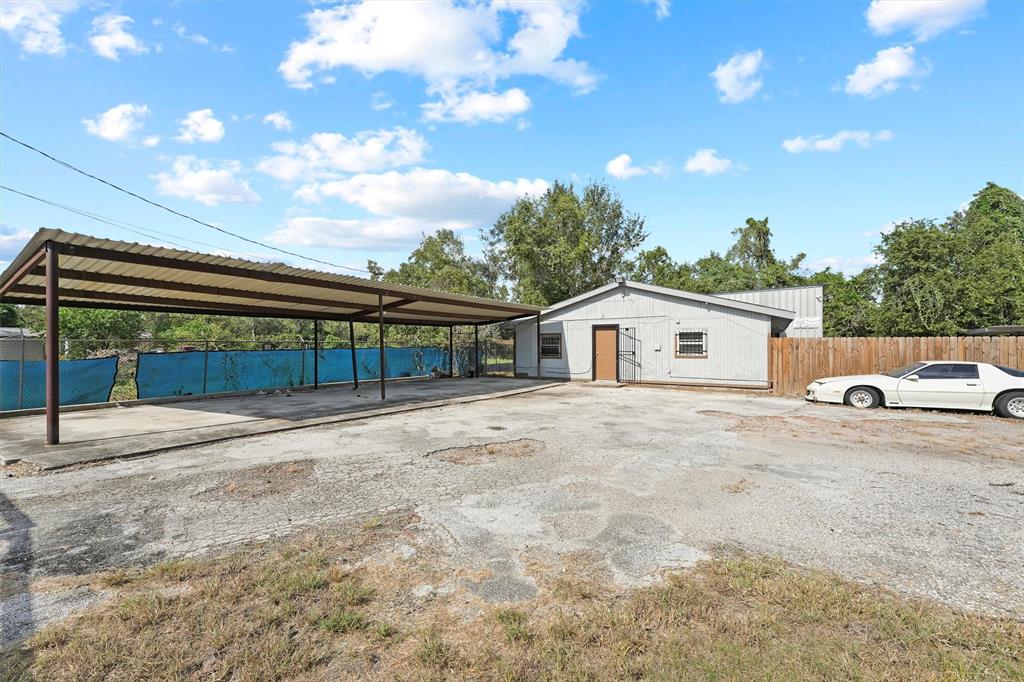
[(862, 397), (1011, 405)]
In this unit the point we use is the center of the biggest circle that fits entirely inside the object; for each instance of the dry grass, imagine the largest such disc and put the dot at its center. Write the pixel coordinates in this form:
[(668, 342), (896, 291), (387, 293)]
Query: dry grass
[(292, 611)]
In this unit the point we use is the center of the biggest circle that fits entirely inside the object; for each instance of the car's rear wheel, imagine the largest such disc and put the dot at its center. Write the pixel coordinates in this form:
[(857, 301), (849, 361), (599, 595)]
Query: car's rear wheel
[(1011, 405), (862, 397)]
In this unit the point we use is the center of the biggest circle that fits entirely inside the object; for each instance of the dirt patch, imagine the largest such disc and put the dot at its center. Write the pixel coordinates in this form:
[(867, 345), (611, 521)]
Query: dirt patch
[(489, 452), (741, 486), (263, 481), (999, 439)]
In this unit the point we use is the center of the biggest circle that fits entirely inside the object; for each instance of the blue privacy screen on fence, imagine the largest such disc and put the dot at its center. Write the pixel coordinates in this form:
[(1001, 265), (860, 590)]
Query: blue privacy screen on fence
[(81, 382), (200, 372)]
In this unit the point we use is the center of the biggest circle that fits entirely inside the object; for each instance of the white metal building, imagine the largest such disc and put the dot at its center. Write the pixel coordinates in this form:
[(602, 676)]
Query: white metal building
[(632, 332)]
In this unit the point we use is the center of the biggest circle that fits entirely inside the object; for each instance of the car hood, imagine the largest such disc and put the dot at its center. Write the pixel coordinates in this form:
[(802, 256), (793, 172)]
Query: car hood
[(856, 378)]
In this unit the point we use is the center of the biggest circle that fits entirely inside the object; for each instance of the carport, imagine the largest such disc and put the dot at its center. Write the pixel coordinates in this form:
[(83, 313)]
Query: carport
[(57, 268)]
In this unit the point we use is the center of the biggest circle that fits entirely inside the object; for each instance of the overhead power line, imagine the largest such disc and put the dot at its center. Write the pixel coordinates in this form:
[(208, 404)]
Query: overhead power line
[(148, 232), (157, 204)]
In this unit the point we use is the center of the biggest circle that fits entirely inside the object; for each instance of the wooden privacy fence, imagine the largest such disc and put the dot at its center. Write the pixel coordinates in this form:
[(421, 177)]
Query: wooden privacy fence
[(795, 362)]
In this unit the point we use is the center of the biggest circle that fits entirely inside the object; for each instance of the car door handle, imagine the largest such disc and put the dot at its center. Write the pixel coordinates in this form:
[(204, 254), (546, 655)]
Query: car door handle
[(972, 383)]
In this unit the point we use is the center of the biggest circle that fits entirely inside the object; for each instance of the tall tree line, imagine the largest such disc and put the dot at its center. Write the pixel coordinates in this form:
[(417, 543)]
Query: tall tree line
[(932, 278)]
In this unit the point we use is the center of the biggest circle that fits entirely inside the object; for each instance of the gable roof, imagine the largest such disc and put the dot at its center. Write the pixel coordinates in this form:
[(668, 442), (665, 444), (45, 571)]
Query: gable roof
[(675, 293)]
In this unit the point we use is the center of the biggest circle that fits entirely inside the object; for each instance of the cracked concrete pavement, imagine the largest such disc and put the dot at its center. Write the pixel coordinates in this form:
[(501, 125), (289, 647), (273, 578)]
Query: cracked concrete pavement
[(645, 479)]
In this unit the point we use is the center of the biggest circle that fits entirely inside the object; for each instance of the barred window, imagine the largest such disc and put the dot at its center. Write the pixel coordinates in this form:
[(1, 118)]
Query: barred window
[(692, 344), (550, 346)]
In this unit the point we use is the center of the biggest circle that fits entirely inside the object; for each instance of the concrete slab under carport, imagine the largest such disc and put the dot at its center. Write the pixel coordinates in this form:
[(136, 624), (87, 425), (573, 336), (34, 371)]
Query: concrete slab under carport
[(118, 432)]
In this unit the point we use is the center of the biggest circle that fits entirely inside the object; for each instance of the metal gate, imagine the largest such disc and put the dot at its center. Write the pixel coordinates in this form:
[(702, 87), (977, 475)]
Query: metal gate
[(629, 356)]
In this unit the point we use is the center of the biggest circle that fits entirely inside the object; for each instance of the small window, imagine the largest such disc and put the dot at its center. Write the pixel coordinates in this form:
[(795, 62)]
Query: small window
[(692, 344), (950, 371), (550, 346)]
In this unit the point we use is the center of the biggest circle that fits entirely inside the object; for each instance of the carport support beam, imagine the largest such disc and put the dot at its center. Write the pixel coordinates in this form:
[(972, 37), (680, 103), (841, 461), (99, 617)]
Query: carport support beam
[(383, 355), (352, 343), (451, 351), (52, 345), (316, 354), (476, 350), (538, 346)]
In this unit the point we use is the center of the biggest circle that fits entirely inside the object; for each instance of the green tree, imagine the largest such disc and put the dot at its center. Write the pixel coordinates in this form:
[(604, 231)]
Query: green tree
[(850, 308), (440, 262), (563, 243), (945, 278), (100, 325), (989, 243), (9, 316)]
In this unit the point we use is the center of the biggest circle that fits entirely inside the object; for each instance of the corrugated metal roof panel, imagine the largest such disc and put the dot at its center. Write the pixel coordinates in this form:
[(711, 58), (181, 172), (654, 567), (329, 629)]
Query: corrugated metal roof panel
[(112, 273)]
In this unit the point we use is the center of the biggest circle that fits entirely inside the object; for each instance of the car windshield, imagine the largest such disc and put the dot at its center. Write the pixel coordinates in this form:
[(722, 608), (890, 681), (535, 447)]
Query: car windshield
[(1011, 371), (904, 371)]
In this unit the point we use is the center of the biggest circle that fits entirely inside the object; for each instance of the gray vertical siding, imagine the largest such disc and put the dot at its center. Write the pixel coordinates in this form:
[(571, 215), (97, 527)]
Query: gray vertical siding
[(806, 302), (737, 339)]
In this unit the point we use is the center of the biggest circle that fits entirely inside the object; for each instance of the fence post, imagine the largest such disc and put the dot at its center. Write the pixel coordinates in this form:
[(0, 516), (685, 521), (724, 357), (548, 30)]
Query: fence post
[(352, 344), (206, 365), (316, 354), (21, 373)]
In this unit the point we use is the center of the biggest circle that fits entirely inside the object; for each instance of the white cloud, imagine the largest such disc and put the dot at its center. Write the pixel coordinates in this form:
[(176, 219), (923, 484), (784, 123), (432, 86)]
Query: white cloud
[(844, 264), (278, 119), (370, 233), (404, 206), (109, 37), (622, 167), (325, 155), (454, 199), (379, 101), (739, 78), (662, 8), (835, 143), (884, 73), (473, 107), (117, 124), (708, 162), (191, 178), (11, 243), (924, 18), (35, 24), (454, 47), (200, 126), (151, 141)]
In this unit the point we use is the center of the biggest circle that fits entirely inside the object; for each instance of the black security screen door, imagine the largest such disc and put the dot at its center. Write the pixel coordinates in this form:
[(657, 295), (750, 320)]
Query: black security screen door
[(629, 356)]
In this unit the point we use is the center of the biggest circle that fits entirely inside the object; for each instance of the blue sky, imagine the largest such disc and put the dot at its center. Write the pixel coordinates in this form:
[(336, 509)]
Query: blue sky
[(346, 131)]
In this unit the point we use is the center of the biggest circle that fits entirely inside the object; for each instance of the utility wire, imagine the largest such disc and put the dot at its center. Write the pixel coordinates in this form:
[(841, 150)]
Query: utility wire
[(124, 225), (171, 210)]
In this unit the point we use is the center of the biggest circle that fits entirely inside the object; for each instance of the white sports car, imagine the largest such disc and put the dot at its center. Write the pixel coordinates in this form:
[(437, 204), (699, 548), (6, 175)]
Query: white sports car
[(942, 383)]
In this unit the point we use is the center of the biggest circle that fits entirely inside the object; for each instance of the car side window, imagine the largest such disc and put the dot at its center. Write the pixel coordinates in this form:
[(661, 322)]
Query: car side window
[(948, 372)]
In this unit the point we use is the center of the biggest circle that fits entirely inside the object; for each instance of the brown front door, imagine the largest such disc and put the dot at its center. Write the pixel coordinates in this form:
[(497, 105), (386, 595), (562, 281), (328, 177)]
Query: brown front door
[(605, 354)]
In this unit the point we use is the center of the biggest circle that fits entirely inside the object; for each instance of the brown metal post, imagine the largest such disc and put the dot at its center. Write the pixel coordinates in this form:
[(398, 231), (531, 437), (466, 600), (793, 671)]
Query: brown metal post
[(52, 345), (352, 342), (476, 350), (316, 354), (538, 346), (451, 351), (383, 355)]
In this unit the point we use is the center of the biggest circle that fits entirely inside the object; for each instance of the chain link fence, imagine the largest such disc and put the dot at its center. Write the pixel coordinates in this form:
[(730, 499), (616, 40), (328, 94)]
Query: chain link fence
[(98, 370)]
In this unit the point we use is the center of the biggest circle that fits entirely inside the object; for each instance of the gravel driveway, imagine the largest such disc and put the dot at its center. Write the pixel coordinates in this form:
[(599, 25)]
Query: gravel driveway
[(926, 503)]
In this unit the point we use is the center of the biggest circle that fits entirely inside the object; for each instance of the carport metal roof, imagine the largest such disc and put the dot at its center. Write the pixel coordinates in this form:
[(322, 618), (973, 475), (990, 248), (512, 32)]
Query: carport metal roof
[(104, 273)]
